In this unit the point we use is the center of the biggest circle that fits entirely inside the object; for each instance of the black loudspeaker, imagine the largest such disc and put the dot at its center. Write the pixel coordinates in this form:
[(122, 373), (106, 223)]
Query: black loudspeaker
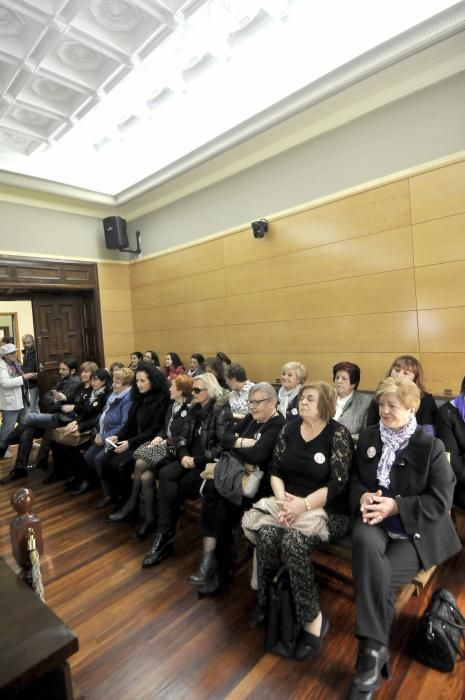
[(115, 232)]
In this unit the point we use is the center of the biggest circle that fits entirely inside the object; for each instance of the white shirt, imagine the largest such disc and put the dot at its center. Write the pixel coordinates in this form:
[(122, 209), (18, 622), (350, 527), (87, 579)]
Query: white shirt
[(341, 404)]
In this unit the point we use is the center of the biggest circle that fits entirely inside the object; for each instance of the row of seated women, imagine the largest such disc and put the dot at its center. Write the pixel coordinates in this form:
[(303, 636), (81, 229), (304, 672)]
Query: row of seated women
[(400, 495)]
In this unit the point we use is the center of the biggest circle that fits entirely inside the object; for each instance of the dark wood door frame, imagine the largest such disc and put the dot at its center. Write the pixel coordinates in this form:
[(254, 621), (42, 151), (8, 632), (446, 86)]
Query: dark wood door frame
[(22, 278)]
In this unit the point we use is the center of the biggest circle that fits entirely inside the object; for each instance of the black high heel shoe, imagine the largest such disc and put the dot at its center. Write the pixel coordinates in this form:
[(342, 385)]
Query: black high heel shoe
[(309, 644), (372, 664)]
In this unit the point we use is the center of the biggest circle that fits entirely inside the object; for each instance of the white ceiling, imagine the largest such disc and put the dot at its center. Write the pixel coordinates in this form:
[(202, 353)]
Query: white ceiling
[(61, 59)]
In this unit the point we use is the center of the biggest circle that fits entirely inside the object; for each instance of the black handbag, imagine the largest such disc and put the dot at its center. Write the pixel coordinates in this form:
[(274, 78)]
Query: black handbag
[(282, 628), (440, 633)]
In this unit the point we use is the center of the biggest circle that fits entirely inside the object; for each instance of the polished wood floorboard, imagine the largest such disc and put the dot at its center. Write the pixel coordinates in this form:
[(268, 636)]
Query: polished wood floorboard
[(144, 634)]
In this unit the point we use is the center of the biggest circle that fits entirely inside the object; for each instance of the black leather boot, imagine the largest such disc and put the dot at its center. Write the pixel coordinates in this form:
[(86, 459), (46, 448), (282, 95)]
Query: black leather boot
[(162, 547), (207, 569)]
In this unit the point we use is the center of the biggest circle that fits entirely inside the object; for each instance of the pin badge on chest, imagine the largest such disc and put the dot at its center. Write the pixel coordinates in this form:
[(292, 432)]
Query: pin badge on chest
[(371, 451), (257, 436), (183, 414), (319, 458), (294, 411)]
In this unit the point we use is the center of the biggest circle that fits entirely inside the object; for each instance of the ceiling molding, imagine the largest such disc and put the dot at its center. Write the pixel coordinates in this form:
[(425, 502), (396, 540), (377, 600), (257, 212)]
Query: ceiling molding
[(419, 57), (399, 80)]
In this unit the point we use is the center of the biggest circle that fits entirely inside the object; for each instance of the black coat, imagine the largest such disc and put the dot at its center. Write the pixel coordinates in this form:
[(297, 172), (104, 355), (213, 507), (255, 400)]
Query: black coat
[(176, 424), (145, 418), (70, 387), (423, 483), (30, 363), (451, 429), (87, 412), (213, 421)]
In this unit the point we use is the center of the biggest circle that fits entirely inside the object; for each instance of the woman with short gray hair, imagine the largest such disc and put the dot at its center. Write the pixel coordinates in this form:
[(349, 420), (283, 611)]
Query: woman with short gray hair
[(252, 442)]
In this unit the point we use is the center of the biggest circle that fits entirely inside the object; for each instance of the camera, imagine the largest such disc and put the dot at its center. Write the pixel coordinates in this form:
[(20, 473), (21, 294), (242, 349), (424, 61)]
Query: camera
[(259, 228)]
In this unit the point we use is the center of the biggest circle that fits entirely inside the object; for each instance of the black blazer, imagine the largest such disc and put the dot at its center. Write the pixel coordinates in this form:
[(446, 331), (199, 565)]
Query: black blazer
[(423, 483), (451, 429)]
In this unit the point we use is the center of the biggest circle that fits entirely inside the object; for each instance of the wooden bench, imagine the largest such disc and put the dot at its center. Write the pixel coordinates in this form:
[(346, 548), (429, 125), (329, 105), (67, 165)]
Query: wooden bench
[(333, 560)]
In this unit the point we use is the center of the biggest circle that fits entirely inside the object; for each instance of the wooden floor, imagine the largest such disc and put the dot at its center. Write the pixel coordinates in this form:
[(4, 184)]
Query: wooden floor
[(144, 634)]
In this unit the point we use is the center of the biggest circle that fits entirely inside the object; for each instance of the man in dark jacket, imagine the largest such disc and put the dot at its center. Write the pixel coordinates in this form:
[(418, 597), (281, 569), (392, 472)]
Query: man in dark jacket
[(37, 424), (30, 365)]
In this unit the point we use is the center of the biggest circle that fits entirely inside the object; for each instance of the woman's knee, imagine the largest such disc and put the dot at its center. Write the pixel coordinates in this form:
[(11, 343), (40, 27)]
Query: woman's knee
[(147, 477), (139, 468)]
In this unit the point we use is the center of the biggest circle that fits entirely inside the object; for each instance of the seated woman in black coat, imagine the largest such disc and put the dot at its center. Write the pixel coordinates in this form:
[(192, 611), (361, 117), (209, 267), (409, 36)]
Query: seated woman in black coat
[(84, 415), (310, 473), (253, 443), (401, 494), (150, 399), (200, 442), (450, 425), (151, 456), (408, 367)]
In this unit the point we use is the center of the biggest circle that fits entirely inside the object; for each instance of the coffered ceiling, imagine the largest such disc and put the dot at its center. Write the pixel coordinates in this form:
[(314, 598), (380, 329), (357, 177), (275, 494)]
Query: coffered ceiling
[(58, 58), (62, 61)]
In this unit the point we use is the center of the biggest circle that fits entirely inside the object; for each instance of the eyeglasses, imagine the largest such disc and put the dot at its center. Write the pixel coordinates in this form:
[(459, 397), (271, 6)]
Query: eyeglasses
[(256, 402), (197, 390)]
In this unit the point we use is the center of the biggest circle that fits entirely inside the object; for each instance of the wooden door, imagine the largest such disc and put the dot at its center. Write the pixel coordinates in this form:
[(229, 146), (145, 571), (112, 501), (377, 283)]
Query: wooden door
[(58, 327)]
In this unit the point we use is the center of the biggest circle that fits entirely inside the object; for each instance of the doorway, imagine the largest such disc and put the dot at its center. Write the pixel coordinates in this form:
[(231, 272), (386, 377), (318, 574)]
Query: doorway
[(65, 303)]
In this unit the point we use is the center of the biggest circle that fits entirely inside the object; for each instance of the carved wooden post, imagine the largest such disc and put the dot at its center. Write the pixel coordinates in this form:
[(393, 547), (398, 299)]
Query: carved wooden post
[(22, 501)]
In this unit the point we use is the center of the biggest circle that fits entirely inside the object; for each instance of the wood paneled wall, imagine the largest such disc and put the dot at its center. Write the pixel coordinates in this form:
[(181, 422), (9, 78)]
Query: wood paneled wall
[(362, 278), (117, 317)]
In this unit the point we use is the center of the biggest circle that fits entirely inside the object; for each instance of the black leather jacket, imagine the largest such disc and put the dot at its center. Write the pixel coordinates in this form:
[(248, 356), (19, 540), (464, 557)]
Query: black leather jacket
[(212, 421)]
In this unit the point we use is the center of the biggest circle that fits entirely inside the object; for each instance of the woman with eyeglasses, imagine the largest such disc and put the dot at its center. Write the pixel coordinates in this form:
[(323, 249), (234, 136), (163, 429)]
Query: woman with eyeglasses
[(309, 476), (200, 442), (253, 443)]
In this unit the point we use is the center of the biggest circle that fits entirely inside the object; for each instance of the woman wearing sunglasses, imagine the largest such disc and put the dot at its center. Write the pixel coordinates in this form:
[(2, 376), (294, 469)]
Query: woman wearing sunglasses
[(200, 442)]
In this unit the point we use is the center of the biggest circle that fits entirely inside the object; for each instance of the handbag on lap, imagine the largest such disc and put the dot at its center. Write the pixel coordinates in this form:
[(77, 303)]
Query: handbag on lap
[(440, 636), (71, 439)]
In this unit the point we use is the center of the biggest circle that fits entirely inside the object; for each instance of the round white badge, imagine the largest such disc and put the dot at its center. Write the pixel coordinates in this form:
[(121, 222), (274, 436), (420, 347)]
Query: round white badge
[(294, 411), (257, 436), (319, 458), (183, 414), (95, 403), (371, 451)]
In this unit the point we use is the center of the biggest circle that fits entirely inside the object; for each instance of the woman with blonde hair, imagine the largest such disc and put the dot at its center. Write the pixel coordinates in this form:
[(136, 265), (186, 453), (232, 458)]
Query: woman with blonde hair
[(401, 495), (199, 442), (293, 375)]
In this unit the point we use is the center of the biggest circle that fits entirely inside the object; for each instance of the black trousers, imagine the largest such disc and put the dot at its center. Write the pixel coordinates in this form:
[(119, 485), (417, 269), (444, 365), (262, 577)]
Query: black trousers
[(459, 495), (175, 485), (380, 566), (117, 472)]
